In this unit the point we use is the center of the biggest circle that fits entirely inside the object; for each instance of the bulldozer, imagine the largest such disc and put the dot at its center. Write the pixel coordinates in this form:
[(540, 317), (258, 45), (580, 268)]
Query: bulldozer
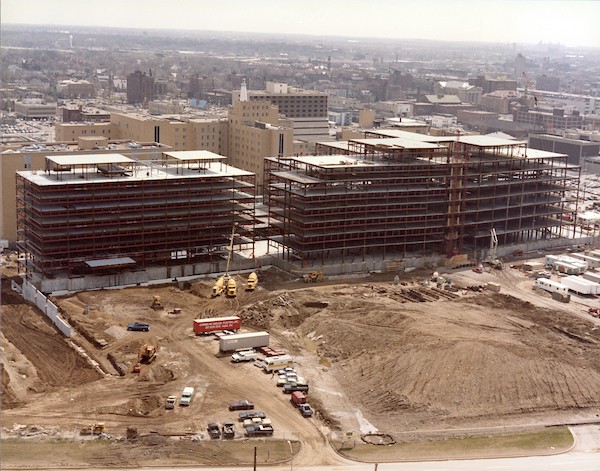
[(313, 277), (156, 303)]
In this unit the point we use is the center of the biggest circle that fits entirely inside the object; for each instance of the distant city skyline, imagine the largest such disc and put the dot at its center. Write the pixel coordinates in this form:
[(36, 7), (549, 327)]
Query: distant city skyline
[(571, 23)]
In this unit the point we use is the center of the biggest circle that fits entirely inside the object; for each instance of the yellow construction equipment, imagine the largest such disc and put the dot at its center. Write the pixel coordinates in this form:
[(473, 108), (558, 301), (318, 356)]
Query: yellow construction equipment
[(313, 277), (226, 283), (252, 282), (231, 288), (156, 303), (218, 287), (310, 276), (147, 353)]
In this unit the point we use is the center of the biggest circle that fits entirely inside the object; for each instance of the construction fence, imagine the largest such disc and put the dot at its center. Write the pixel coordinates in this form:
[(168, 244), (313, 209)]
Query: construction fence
[(32, 294)]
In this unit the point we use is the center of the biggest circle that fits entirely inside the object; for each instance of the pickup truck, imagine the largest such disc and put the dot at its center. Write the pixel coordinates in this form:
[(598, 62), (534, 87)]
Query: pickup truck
[(228, 429), (214, 431), (292, 387), (305, 410), (251, 415), (139, 326), (170, 404), (244, 356), (259, 430), (241, 405)]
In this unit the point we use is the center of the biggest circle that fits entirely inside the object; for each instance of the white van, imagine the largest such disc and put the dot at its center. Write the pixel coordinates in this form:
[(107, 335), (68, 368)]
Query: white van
[(271, 364)]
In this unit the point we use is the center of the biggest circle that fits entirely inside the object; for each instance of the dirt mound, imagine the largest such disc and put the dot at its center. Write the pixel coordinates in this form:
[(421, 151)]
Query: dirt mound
[(202, 289), (55, 362), (145, 406), (456, 359)]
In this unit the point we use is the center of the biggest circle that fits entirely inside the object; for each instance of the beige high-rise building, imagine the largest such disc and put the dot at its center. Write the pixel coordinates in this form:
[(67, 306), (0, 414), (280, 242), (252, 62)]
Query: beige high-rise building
[(306, 109), (256, 132)]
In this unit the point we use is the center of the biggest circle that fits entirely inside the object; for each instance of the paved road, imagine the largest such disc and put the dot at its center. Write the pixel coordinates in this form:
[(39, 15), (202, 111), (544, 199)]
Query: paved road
[(575, 461)]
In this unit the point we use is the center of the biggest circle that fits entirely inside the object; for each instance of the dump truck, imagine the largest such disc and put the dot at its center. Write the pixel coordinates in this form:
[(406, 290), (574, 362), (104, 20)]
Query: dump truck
[(252, 282), (215, 324), (233, 342)]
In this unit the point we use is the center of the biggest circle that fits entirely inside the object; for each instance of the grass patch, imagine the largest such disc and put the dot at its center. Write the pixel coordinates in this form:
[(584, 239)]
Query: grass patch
[(58, 454), (545, 441)]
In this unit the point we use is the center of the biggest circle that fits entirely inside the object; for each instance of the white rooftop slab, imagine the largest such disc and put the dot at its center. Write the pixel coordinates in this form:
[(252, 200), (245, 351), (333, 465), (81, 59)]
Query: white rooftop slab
[(335, 144), (194, 155), (401, 142), (89, 159), (334, 161), (137, 172), (489, 141)]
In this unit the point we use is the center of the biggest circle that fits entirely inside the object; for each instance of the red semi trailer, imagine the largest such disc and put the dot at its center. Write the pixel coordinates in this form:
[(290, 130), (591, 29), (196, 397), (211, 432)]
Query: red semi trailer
[(215, 324)]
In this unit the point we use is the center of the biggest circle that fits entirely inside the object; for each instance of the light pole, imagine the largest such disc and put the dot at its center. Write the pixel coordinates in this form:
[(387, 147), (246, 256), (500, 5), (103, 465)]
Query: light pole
[(292, 455)]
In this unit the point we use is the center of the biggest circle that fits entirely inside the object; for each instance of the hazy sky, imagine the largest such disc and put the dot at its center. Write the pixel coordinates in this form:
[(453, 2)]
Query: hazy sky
[(574, 23)]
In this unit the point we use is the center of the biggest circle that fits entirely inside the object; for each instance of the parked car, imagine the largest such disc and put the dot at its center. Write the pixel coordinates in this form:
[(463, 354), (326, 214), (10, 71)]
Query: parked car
[(259, 430), (139, 326), (292, 387), (305, 410), (214, 431), (171, 401), (241, 405), (186, 396), (250, 415)]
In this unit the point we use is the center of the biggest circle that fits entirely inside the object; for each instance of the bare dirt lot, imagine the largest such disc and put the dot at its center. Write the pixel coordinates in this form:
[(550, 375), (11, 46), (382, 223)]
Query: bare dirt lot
[(398, 359)]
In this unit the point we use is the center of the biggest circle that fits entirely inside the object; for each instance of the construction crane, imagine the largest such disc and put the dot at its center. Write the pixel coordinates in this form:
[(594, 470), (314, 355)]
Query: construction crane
[(226, 283), (492, 257)]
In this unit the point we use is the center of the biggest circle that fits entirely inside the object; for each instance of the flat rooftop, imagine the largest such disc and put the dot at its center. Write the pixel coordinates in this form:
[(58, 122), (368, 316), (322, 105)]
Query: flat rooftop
[(123, 169), (194, 155), (73, 147)]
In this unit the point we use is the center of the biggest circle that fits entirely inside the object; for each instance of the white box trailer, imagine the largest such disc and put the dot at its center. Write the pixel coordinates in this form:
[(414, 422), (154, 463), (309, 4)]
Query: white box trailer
[(228, 343), (593, 262), (572, 264), (580, 285), (592, 276), (550, 286)]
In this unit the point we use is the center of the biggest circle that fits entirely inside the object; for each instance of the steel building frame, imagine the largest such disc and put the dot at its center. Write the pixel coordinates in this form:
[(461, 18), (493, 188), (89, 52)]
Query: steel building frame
[(414, 198), (164, 214)]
